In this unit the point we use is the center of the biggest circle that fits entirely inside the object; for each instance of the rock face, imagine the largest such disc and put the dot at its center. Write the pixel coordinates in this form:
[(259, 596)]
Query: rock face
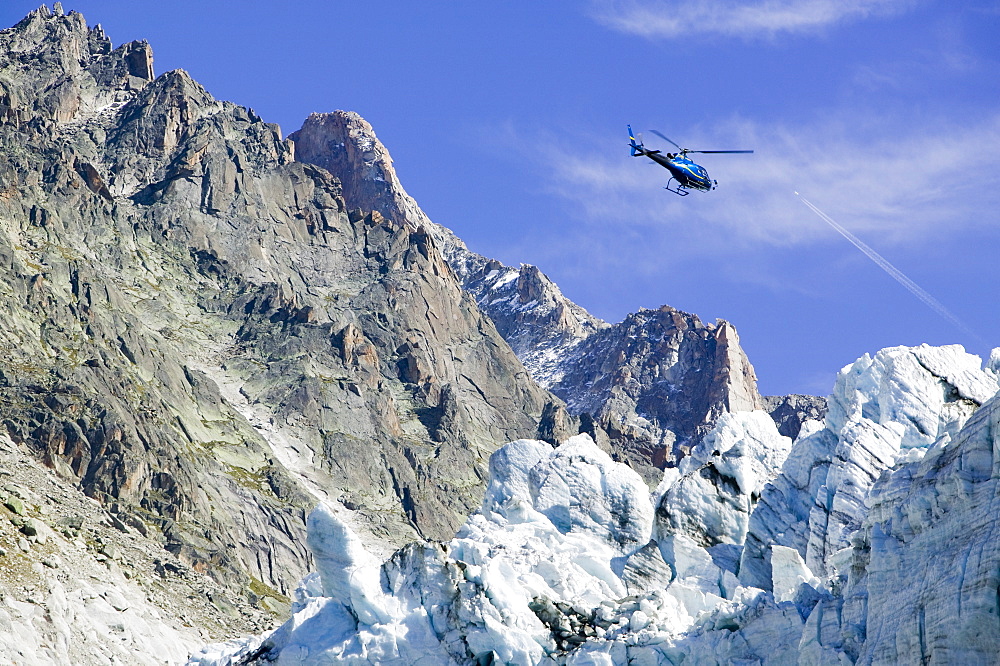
[(541, 325), (790, 412), (527, 308), (653, 384), (197, 330), (657, 382), (344, 144), (103, 314), (82, 583)]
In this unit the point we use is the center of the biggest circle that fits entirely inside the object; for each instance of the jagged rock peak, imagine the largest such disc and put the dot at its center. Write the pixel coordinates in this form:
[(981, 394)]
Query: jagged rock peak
[(657, 382), (344, 143), (737, 381), (528, 309), (68, 71)]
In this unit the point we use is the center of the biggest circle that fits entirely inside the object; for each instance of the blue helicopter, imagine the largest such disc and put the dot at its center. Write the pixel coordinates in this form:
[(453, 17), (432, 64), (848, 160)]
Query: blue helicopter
[(687, 174)]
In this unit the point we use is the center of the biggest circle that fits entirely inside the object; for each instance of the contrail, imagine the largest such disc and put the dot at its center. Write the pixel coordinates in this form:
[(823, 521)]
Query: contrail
[(893, 272)]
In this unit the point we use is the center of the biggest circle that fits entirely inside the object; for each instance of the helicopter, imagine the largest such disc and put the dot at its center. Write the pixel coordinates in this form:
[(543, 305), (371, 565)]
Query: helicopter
[(689, 176)]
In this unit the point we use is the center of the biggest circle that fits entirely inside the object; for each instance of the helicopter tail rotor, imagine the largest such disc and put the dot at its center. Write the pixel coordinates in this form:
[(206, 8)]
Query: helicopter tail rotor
[(635, 144)]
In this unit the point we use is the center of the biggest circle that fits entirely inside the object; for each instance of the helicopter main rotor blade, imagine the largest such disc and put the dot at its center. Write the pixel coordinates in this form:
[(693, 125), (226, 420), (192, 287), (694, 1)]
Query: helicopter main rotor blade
[(719, 151), (665, 138)]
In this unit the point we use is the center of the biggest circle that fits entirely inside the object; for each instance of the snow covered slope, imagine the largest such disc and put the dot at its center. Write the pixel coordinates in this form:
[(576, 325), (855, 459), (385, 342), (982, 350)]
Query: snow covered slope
[(566, 562)]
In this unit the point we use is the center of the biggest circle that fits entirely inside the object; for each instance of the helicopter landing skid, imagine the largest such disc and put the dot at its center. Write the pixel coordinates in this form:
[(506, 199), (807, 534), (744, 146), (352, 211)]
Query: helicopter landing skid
[(680, 190)]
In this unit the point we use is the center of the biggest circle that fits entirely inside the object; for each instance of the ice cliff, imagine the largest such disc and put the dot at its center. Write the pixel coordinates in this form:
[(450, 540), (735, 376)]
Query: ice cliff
[(883, 410), (884, 550)]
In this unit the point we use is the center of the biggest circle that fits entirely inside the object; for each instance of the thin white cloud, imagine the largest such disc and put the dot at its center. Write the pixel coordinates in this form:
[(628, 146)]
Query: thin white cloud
[(949, 53), (679, 18), (883, 183), (898, 186)]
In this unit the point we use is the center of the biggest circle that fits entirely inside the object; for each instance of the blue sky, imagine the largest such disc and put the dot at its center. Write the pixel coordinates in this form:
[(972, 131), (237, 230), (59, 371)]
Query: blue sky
[(506, 121)]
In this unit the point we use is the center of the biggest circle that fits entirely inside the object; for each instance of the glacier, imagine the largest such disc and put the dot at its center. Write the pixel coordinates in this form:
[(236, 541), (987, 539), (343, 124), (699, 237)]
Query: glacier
[(871, 539)]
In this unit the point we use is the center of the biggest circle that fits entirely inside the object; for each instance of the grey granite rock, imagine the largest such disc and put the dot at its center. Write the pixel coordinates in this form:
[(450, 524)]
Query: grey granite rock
[(789, 412), (657, 382), (196, 328)]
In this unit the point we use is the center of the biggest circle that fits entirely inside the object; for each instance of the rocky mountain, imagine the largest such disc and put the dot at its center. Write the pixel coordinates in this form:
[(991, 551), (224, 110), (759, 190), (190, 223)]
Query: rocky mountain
[(648, 387), (199, 332)]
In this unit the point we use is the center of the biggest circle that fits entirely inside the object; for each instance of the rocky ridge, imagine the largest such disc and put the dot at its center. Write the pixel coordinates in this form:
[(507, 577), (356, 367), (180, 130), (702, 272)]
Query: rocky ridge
[(652, 384)]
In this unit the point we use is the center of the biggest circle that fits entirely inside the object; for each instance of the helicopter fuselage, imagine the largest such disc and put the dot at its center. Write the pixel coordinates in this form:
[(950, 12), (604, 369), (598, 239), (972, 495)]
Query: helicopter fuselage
[(687, 173)]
